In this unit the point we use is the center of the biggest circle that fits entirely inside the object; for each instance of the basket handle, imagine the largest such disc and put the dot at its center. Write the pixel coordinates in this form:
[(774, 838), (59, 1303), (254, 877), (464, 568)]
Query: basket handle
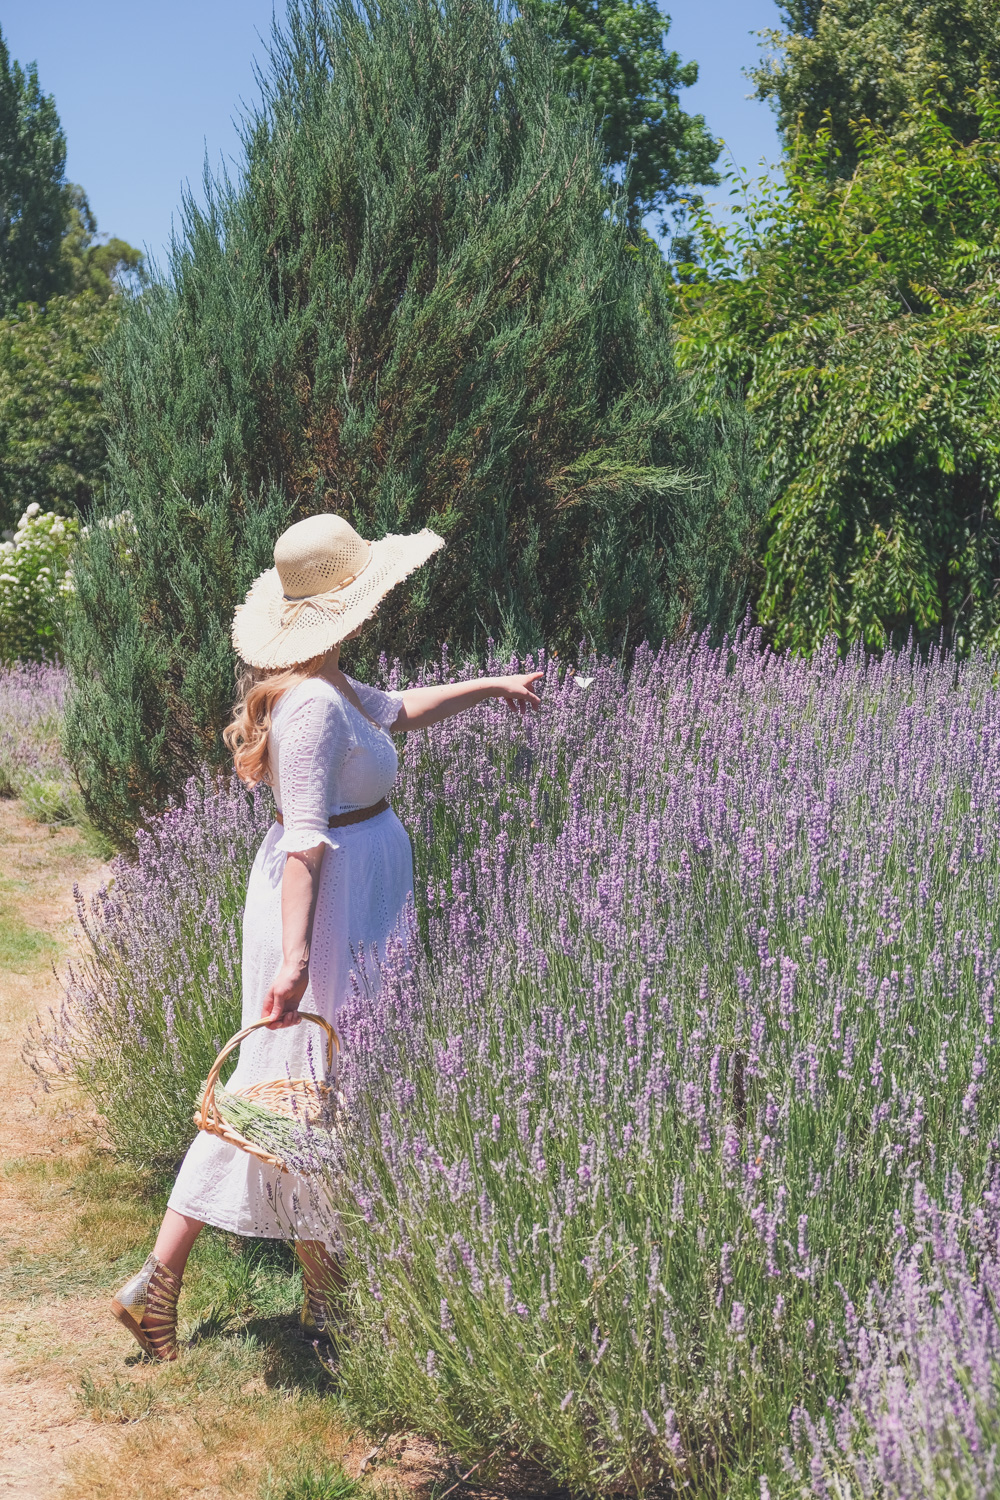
[(209, 1114)]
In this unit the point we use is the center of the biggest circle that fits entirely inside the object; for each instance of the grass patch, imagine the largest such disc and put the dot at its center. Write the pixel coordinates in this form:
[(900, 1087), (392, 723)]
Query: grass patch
[(116, 1400), (327, 1483), (248, 1385), (98, 1216), (228, 1450), (101, 1218), (248, 1391), (23, 949), (52, 800), (238, 1278), (239, 1304)]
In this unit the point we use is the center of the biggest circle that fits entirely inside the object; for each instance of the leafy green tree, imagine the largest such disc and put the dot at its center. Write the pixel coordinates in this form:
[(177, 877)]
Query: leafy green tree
[(612, 53), (91, 263), (859, 316), (48, 234), (35, 203), (56, 279), (417, 304), (839, 62), (52, 428)]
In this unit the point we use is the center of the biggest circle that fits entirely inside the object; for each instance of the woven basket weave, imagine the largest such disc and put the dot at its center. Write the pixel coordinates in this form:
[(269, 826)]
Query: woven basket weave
[(299, 1099)]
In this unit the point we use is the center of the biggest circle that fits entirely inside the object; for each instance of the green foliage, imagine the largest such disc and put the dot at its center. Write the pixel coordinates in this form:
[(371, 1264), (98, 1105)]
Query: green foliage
[(52, 430), (612, 54), (56, 281), (328, 1482), (875, 60), (418, 304), (34, 200), (859, 316), (92, 264), (23, 949), (33, 583), (118, 1401), (48, 243)]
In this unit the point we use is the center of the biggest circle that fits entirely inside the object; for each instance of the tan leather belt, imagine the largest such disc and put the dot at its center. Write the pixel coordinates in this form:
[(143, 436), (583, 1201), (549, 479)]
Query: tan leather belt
[(344, 820)]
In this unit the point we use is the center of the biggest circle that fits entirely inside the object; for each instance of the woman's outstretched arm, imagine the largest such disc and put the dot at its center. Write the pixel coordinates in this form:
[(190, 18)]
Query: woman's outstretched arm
[(299, 889), (429, 705)]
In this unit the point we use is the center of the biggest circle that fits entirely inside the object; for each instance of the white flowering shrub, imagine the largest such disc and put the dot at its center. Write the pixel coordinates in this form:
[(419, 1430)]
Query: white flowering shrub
[(34, 578)]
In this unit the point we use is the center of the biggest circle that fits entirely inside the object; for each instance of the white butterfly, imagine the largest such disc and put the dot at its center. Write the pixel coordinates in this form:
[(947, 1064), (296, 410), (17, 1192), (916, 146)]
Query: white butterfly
[(583, 682)]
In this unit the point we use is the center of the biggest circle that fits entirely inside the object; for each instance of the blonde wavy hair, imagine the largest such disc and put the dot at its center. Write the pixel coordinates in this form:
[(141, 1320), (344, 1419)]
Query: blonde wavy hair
[(257, 692)]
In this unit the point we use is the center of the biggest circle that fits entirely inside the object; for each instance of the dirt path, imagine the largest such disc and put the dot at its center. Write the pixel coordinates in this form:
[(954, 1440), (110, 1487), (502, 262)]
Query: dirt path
[(41, 1423)]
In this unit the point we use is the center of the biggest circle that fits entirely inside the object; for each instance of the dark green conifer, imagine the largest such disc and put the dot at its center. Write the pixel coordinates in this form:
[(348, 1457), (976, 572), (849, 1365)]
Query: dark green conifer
[(416, 304), (35, 199)]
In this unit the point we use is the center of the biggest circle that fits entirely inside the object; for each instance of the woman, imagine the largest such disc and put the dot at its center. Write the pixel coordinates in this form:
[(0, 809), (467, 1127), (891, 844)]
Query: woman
[(332, 874)]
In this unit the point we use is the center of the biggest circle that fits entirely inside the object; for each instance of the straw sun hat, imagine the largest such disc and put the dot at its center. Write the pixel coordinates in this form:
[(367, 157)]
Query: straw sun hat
[(326, 581)]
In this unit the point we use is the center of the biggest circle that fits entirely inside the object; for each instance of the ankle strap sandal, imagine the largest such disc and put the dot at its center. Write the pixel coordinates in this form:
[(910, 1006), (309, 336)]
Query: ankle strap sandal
[(318, 1319), (314, 1315), (147, 1306)]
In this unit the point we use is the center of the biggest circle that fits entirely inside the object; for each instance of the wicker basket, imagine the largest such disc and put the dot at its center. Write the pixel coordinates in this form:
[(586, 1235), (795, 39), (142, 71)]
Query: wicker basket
[(301, 1099)]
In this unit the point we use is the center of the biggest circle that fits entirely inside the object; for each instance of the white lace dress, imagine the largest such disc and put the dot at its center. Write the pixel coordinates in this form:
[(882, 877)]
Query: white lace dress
[(326, 758)]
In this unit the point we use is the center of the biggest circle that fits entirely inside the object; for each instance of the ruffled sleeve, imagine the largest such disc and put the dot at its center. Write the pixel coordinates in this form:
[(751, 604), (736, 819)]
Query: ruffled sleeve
[(380, 706), (312, 738)]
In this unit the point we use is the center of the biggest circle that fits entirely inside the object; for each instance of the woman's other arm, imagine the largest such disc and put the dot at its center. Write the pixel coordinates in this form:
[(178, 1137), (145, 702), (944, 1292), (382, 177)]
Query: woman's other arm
[(429, 705), (299, 889), (311, 737)]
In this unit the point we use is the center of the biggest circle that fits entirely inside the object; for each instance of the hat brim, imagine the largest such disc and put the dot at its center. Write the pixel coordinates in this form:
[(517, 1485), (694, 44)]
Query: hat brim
[(261, 639)]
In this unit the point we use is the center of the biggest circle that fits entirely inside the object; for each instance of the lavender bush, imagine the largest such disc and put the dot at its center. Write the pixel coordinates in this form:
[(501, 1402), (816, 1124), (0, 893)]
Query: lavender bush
[(697, 1020), (922, 1416), (32, 765), (148, 1007), (707, 992)]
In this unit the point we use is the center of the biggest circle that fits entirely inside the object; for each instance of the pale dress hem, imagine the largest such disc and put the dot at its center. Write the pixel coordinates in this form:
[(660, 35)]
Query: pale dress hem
[(285, 1207)]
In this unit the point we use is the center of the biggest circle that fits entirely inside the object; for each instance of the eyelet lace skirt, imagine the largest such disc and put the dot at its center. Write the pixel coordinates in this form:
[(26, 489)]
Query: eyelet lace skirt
[(364, 885)]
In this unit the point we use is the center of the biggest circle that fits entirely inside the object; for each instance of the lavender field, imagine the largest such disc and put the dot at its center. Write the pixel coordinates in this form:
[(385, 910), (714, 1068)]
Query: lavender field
[(32, 764), (674, 1149)]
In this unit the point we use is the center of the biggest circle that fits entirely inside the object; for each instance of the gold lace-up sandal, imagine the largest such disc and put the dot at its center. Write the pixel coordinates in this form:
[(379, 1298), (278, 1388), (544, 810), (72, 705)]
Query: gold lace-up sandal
[(147, 1305), (314, 1319), (321, 1316)]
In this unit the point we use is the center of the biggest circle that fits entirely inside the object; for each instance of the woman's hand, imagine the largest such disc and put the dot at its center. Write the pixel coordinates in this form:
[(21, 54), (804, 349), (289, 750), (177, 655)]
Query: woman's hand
[(281, 1003), (516, 691)]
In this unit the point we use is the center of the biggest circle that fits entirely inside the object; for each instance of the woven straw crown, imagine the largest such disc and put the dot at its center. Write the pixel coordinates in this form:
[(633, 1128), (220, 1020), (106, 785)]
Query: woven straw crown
[(325, 582), (320, 553)]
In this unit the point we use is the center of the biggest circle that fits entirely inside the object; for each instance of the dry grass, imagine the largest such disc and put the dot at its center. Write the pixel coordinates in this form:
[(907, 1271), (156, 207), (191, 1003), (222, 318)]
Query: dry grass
[(223, 1449)]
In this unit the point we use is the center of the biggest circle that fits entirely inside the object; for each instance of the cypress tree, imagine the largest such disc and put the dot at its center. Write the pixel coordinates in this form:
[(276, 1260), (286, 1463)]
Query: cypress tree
[(416, 303)]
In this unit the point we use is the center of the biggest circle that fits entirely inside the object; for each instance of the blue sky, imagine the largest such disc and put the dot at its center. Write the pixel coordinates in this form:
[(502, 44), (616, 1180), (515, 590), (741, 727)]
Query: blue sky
[(145, 91)]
